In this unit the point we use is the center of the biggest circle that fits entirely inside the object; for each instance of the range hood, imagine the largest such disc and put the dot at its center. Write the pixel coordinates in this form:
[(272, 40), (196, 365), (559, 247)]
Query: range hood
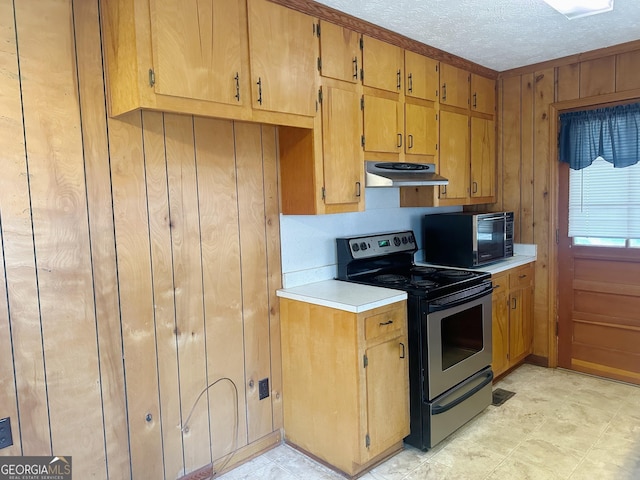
[(396, 174)]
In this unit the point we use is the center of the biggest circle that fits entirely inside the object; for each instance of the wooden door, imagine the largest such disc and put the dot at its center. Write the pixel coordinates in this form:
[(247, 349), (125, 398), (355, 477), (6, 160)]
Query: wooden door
[(483, 157), (382, 125), (454, 155), (483, 94), (283, 55), (454, 86), (421, 76), (340, 56), (198, 49), (382, 63), (421, 130), (342, 151), (598, 303), (387, 394)]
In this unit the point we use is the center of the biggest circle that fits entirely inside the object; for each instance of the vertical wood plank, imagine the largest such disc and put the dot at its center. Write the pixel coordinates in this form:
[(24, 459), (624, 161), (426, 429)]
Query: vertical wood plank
[(163, 291), (96, 158), (510, 125), (218, 204), (136, 296), (274, 269), (544, 96), (627, 68), (255, 297), (22, 293), (8, 393), (568, 82), (187, 274), (528, 142), (61, 237), (598, 76)]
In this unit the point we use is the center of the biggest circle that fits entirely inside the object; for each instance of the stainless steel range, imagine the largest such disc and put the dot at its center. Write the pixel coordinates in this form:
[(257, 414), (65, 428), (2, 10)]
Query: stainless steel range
[(449, 316)]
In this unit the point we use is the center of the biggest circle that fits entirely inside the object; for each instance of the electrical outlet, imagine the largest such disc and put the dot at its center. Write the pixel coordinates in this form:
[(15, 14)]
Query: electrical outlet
[(6, 440), (263, 388)]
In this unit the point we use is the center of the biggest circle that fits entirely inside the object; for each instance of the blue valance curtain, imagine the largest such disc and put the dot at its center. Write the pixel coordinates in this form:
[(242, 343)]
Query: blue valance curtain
[(612, 133)]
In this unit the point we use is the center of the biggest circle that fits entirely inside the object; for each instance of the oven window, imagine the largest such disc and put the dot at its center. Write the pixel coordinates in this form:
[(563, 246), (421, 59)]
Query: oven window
[(461, 336)]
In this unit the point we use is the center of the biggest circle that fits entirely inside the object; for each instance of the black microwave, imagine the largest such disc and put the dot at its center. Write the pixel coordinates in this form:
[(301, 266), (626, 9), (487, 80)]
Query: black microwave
[(467, 239)]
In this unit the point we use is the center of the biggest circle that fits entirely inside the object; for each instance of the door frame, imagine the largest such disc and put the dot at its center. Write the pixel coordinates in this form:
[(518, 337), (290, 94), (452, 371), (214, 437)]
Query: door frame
[(555, 109)]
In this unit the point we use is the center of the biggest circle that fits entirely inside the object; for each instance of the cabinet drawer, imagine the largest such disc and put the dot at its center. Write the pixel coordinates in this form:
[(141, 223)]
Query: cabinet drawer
[(521, 276), (384, 323), (500, 282)]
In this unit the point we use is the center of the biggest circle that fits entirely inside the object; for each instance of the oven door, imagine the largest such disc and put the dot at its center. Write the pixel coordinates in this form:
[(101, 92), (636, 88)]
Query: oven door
[(458, 337)]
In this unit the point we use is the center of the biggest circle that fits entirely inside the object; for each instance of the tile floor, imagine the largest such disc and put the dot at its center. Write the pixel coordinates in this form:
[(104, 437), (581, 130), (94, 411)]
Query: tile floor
[(558, 425)]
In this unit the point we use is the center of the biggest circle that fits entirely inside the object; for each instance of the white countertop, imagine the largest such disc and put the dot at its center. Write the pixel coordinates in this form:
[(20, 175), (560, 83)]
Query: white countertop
[(350, 297), (523, 254)]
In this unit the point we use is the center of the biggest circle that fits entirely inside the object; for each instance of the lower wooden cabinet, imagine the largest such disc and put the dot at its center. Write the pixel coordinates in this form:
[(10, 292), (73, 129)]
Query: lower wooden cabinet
[(345, 382), (512, 317)]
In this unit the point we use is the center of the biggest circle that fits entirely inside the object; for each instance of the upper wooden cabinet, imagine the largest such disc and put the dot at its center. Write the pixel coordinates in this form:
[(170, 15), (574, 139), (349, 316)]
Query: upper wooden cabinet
[(483, 159), (421, 130), (383, 125), (340, 54), (342, 153), (454, 156), (382, 65), (421, 76), (197, 52), (179, 56), (483, 94), (322, 170), (283, 51), (454, 86)]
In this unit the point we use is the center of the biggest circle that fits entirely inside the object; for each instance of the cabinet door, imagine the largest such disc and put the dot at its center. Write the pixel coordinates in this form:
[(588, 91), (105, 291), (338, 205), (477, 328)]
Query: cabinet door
[(283, 56), (342, 151), (422, 77), (339, 52), (198, 48), (421, 130), (520, 323), (382, 63), (454, 155), (387, 394), (383, 125), (483, 94), (500, 324), (483, 157), (454, 86)]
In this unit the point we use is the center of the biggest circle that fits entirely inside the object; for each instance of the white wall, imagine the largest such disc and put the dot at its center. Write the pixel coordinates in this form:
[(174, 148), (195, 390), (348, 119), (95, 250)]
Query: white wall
[(308, 241)]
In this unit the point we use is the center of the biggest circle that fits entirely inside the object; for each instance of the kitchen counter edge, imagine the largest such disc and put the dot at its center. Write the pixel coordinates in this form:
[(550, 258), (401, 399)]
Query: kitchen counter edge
[(347, 296)]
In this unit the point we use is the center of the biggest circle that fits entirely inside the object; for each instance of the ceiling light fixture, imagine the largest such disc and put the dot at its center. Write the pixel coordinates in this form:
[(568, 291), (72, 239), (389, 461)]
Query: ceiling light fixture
[(580, 8)]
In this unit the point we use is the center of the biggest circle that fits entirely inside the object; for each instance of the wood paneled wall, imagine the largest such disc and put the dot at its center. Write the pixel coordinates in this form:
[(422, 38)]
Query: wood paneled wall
[(527, 169), (140, 259)]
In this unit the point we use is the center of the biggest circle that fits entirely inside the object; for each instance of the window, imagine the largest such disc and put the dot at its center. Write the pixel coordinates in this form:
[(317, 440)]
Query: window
[(602, 148), (604, 205)]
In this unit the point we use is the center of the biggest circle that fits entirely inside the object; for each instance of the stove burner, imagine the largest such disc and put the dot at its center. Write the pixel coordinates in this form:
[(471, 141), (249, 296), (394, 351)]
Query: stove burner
[(389, 278), (423, 270), (423, 283), (456, 274)]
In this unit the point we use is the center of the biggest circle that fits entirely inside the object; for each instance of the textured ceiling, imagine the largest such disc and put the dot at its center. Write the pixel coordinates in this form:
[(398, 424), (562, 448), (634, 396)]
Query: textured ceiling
[(498, 34)]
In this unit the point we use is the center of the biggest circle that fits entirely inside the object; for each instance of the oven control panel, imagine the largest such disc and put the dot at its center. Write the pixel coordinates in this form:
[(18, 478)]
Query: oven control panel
[(382, 244)]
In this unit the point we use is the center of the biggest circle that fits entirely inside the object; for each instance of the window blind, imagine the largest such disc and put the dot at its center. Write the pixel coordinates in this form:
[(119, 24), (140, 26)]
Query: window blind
[(605, 201)]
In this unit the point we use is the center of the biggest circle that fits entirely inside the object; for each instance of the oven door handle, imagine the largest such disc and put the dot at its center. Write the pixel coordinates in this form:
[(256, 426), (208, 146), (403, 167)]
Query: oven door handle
[(435, 307), (443, 408)]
